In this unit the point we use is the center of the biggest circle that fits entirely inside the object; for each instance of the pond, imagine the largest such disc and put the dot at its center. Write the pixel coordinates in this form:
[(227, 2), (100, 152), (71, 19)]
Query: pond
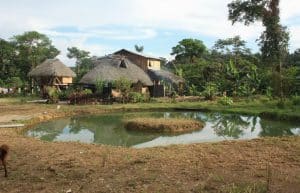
[(109, 129)]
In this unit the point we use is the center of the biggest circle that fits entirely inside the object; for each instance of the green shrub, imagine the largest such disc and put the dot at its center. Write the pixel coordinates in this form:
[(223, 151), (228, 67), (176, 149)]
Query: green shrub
[(173, 96), (281, 104), (15, 82), (81, 96), (2, 83), (225, 101), (99, 86), (52, 94), (296, 100), (65, 94), (136, 97), (269, 92), (210, 91), (193, 91), (87, 92), (124, 86)]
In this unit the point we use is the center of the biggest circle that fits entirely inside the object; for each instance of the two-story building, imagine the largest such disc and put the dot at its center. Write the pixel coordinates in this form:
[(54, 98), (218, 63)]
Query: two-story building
[(144, 61), (164, 82)]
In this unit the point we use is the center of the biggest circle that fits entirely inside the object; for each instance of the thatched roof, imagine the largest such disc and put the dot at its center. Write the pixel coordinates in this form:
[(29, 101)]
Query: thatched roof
[(51, 68), (165, 75), (114, 67), (120, 52)]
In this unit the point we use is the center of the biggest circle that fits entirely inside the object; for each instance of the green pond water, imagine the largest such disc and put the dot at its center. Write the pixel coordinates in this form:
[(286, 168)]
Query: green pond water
[(109, 129)]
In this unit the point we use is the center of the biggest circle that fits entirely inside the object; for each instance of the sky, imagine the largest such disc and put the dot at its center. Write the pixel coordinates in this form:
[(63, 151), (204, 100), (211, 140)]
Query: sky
[(105, 26)]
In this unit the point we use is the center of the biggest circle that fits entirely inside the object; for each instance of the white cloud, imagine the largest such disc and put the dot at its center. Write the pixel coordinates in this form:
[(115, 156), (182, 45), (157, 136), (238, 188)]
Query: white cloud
[(140, 20), (115, 34), (63, 43), (295, 37), (289, 9)]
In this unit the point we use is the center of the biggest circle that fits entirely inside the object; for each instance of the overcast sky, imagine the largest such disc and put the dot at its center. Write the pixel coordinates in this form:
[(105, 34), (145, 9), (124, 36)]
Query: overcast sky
[(104, 26)]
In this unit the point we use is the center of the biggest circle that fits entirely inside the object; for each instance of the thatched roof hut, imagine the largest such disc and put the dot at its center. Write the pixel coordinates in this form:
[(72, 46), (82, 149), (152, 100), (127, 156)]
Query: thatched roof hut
[(159, 75), (114, 67), (52, 72), (52, 68)]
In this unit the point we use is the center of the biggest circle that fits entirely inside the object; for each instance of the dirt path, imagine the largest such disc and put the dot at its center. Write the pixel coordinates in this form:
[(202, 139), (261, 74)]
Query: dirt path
[(38, 166)]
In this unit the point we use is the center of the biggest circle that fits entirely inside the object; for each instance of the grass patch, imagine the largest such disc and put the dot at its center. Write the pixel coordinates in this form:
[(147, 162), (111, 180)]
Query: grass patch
[(247, 188), (163, 125)]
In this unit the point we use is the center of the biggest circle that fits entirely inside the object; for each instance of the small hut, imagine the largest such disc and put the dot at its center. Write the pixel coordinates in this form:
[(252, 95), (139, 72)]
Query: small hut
[(114, 67), (52, 72)]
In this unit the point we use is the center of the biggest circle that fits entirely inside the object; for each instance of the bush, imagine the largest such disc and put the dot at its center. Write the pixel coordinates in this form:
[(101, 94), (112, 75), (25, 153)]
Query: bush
[(80, 97), (15, 82), (124, 86), (136, 97), (65, 94), (296, 100), (52, 94), (99, 86), (225, 101), (193, 91), (87, 92), (269, 92), (281, 104), (210, 91), (173, 96)]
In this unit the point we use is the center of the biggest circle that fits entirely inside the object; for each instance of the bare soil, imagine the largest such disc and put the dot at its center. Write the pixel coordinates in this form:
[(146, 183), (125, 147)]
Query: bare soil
[(230, 166)]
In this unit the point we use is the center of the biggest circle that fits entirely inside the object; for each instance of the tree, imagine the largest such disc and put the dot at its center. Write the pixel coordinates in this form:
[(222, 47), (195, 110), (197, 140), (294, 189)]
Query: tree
[(7, 55), (139, 49), (32, 48), (235, 47), (83, 60), (188, 50), (274, 40)]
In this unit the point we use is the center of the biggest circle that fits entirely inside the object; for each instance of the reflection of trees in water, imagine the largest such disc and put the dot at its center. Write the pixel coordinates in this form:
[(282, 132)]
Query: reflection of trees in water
[(227, 125), (254, 122), (75, 126), (276, 128), (109, 129)]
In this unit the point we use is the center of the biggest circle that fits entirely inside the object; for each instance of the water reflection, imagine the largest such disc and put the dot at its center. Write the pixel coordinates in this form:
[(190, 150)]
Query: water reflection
[(109, 129)]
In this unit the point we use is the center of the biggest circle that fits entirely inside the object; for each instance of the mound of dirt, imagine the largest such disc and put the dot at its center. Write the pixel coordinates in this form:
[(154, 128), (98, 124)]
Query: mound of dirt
[(170, 125)]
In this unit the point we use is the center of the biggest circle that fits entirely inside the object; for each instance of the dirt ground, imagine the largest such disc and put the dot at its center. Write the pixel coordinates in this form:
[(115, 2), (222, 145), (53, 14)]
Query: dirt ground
[(231, 166)]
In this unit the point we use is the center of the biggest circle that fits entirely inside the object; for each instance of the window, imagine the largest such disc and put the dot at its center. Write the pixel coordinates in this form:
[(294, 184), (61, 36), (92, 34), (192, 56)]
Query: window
[(123, 64)]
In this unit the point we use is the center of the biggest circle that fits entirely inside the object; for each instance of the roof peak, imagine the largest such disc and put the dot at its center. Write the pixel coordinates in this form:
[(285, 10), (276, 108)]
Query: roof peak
[(137, 53)]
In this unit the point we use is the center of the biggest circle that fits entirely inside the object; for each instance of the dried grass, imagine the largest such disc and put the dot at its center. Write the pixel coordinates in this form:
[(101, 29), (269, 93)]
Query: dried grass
[(170, 125)]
